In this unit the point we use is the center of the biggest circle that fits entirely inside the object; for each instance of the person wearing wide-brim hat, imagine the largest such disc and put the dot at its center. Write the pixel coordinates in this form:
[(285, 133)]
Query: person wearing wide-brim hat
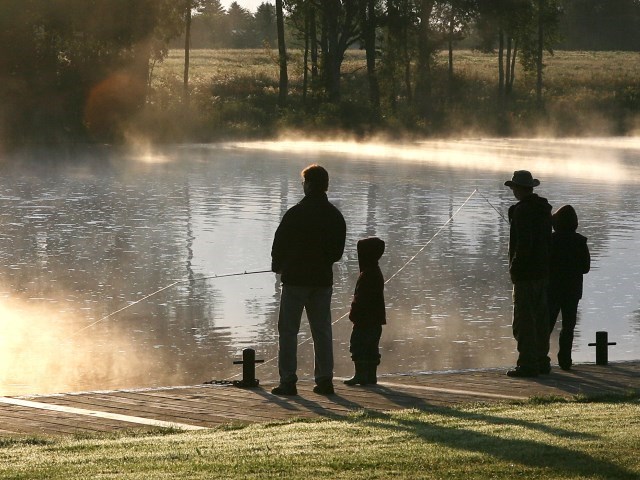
[(529, 253), (522, 178)]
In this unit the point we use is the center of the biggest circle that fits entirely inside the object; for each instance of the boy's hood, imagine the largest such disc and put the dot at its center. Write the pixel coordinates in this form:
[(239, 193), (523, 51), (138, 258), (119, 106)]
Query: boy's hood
[(369, 252)]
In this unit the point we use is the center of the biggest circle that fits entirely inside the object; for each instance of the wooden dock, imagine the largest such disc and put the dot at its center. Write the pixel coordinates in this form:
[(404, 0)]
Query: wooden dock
[(206, 406)]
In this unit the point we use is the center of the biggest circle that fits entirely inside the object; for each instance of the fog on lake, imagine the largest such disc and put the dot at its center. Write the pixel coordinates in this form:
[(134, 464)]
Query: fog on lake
[(87, 235)]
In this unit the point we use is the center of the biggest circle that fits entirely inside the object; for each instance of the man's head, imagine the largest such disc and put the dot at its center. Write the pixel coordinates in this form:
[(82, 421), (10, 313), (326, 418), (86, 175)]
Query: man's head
[(522, 183), (315, 179)]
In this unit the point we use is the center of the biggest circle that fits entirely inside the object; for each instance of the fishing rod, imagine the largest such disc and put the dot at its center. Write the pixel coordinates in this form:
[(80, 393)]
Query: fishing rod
[(487, 200), (177, 282)]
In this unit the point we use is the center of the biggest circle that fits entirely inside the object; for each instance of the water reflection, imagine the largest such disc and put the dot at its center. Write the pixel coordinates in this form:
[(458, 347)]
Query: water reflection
[(86, 234)]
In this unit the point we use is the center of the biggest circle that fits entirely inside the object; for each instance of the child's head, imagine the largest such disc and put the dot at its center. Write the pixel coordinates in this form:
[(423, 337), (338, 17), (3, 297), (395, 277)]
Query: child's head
[(565, 219), (369, 251)]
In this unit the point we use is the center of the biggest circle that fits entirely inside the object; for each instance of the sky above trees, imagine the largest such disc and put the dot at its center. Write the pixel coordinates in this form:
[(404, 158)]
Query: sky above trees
[(250, 5)]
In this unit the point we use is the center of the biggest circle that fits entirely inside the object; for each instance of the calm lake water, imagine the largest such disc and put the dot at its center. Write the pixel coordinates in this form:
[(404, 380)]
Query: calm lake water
[(87, 233)]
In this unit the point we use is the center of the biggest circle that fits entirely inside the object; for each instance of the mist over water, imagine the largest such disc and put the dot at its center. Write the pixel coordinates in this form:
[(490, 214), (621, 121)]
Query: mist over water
[(87, 233)]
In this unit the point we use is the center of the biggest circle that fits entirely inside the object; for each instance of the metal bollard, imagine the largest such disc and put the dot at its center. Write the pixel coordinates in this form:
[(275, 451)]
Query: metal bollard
[(248, 369), (602, 348)]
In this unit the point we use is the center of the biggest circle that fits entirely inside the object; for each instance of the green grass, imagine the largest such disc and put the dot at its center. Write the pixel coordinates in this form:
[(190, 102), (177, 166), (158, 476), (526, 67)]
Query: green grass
[(234, 94), (541, 439)]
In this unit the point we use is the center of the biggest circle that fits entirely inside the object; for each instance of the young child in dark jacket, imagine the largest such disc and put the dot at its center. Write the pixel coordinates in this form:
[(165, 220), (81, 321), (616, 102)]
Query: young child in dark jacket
[(570, 259), (367, 313)]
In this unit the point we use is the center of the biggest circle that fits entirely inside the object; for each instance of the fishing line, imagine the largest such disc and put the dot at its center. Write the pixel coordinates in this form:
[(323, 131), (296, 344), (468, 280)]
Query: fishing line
[(497, 211), (177, 282), (449, 220), (166, 288)]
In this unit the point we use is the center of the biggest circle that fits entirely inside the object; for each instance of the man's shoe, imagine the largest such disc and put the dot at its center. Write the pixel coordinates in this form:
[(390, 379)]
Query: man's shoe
[(324, 389), (522, 372), (546, 370), (565, 366), (285, 389)]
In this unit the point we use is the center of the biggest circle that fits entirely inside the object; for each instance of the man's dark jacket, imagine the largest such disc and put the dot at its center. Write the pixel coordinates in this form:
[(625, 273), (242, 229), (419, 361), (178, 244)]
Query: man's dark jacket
[(529, 238), (308, 241)]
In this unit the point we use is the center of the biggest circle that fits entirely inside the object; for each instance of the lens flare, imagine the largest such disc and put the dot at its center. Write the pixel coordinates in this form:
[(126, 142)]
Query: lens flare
[(39, 355)]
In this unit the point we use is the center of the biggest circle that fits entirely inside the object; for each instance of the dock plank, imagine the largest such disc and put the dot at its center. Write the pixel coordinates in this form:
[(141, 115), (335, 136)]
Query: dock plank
[(209, 406)]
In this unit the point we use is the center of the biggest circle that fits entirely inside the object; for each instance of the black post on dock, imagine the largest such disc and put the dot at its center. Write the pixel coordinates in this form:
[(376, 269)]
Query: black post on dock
[(602, 348), (248, 369)]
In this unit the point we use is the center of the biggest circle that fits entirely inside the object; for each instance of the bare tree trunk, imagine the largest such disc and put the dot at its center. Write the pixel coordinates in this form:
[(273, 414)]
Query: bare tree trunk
[(512, 75), (368, 22), (540, 52), (450, 42), (323, 68), (407, 67), (314, 45), (507, 81), (305, 69), (423, 83), (331, 63), (187, 48), (282, 56), (500, 65)]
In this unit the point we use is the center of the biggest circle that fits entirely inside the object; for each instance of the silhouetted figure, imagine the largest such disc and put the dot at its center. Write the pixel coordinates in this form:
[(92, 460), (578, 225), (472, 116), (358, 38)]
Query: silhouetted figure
[(529, 251), (309, 239), (367, 313), (570, 260)]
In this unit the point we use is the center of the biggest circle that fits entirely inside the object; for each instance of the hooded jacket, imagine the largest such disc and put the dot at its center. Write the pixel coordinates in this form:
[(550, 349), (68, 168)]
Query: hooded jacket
[(570, 257), (308, 241), (367, 307), (529, 238)]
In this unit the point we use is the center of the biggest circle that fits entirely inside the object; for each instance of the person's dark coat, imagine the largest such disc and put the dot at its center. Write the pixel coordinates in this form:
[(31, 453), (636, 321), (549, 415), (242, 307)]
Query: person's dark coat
[(529, 238), (367, 307), (308, 241), (570, 258)]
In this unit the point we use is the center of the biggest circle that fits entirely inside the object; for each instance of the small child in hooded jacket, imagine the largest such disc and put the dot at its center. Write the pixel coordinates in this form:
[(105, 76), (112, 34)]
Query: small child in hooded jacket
[(570, 260), (367, 313)]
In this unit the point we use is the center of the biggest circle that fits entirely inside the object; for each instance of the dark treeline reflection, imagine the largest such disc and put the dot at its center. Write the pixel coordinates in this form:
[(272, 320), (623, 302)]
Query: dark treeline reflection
[(89, 233)]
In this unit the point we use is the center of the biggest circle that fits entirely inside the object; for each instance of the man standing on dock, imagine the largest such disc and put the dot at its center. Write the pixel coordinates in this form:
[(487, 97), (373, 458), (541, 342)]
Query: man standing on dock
[(529, 254), (308, 241)]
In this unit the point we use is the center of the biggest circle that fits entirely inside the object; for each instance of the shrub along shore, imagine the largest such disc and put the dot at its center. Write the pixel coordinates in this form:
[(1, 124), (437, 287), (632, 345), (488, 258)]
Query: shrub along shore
[(234, 94), (540, 438)]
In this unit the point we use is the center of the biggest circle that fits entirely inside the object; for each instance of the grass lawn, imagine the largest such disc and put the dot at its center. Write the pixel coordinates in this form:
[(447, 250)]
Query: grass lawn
[(546, 439), (569, 70), (234, 93)]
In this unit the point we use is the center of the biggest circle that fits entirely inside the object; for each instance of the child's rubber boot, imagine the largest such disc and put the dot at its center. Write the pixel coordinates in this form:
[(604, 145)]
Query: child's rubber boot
[(371, 374), (360, 377)]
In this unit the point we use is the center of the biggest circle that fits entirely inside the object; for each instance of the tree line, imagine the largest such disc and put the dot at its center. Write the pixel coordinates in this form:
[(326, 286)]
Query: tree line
[(594, 25), (74, 69)]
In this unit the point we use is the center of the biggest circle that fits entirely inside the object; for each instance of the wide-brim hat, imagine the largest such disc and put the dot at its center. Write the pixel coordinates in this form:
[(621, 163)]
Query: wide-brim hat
[(522, 178)]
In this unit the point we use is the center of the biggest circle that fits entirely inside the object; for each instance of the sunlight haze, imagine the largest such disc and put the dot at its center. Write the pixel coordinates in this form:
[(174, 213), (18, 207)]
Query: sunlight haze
[(250, 5)]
